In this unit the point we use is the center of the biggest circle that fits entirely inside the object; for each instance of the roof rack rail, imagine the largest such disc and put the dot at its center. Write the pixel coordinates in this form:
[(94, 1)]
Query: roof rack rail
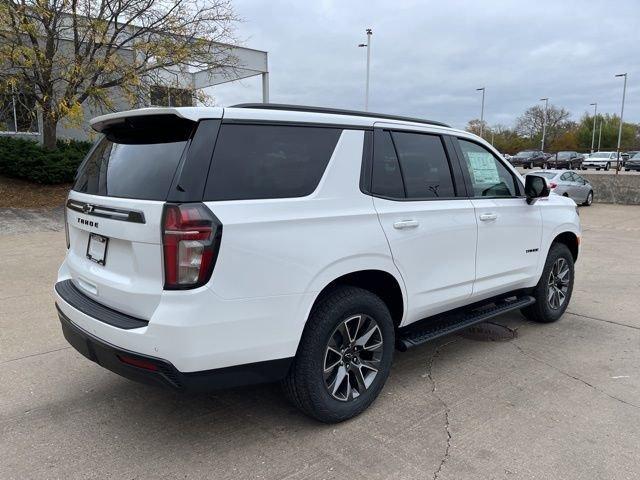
[(335, 111)]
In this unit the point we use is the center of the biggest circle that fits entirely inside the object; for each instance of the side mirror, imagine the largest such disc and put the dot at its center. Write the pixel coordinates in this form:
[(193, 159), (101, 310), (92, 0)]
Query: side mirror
[(535, 187)]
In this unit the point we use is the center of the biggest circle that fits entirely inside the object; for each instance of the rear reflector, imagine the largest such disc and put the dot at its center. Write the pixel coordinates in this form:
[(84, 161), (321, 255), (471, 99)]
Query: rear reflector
[(138, 362), (191, 240)]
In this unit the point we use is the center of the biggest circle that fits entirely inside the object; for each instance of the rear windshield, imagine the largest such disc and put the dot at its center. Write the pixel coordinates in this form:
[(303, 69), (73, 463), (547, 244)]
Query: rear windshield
[(130, 171), (136, 158), (548, 175), (269, 161)]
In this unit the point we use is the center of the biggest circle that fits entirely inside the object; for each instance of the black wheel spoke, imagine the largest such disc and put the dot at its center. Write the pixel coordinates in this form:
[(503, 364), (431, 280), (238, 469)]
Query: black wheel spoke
[(352, 357), (558, 283)]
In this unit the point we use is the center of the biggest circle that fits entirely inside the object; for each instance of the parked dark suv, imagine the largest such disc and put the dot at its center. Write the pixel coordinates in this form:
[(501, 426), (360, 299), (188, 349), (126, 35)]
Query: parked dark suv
[(633, 163), (529, 159), (565, 159)]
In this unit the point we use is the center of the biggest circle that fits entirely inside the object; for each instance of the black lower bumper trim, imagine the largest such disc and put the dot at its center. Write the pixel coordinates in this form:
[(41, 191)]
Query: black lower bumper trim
[(163, 373), (78, 300)]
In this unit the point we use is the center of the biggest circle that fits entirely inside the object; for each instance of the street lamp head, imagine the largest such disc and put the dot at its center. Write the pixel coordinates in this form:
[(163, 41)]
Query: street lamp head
[(362, 45), (621, 75), (592, 104), (544, 99), (479, 89), (369, 31)]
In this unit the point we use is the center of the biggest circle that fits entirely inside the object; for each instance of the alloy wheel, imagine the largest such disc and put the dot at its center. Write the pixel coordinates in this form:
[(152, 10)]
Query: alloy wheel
[(558, 283), (352, 357)]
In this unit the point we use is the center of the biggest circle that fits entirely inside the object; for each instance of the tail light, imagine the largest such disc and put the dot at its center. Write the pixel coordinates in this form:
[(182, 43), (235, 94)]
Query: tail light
[(191, 239), (552, 185)]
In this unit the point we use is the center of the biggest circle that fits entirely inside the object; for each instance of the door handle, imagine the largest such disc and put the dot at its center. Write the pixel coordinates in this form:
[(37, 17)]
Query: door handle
[(406, 224), (485, 217)]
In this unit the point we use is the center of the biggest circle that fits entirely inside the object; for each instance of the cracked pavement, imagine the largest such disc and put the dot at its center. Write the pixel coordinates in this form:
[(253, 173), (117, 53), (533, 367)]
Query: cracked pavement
[(560, 401)]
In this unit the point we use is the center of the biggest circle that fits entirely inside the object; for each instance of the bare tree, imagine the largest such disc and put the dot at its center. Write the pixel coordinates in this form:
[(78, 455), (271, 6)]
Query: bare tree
[(67, 52), (529, 124)]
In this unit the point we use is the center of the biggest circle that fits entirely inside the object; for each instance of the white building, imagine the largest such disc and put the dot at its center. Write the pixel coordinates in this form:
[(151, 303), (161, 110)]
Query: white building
[(20, 117)]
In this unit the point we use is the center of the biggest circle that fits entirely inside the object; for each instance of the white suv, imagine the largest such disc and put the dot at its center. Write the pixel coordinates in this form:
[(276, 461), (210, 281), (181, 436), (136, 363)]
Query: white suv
[(212, 247)]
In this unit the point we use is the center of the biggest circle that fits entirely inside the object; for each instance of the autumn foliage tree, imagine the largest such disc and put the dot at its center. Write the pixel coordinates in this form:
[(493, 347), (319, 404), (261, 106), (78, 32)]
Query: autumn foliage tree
[(67, 52)]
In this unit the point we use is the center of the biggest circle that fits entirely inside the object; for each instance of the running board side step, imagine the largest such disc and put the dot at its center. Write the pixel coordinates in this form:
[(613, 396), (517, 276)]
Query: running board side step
[(446, 323)]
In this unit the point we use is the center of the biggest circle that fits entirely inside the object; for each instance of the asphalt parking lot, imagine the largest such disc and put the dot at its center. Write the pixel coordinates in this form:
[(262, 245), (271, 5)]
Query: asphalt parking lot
[(560, 401)]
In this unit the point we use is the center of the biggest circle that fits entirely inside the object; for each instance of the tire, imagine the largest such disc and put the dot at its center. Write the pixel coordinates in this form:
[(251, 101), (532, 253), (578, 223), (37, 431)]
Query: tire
[(597, 169), (531, 165), (589, 200), (544, 311), (306, 385), (607, 167), (627, 169), (545, 166)]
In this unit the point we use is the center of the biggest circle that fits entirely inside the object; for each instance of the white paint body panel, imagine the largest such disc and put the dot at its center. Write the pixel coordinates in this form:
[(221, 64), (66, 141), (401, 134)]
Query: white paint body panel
[(277, 255)]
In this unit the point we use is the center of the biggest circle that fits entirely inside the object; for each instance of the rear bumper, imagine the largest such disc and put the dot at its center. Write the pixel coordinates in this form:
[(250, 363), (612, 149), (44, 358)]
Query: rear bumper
[(159, 372)]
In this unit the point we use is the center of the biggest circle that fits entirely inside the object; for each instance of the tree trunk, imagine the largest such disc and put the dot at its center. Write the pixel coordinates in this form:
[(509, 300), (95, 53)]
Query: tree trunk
[(49, 134)]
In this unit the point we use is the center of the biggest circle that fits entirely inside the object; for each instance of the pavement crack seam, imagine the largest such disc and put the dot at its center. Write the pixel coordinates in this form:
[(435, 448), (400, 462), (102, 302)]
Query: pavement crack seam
[(33, 355), (584, 382), (447, 424), (603, 320)]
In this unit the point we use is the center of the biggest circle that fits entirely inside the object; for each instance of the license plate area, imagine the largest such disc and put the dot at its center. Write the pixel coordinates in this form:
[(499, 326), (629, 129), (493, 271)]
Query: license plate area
[(97, 248)]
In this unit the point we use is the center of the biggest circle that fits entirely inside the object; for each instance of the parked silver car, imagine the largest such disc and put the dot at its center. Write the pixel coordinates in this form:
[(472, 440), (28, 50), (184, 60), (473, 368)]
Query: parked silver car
[(568, 184)]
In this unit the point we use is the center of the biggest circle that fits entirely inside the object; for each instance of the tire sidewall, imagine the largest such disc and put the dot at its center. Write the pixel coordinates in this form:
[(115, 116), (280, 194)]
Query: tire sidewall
[(312, 351), (549, 314)]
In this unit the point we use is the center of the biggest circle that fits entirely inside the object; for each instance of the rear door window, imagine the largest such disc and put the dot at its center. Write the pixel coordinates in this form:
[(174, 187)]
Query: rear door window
[(424, 164), (386, 176), (269, 161)]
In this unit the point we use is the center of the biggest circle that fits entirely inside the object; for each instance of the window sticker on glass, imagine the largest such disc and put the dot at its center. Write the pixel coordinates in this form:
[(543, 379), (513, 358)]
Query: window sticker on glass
[(483, 168)]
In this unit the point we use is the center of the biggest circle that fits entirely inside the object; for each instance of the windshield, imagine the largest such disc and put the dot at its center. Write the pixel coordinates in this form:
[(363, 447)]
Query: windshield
[(526, 153), (600, 155), (564, 154), (636, 157)]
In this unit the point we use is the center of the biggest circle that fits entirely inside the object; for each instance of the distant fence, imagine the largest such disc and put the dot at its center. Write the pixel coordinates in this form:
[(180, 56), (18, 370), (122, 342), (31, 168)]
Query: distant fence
[(623, 189)]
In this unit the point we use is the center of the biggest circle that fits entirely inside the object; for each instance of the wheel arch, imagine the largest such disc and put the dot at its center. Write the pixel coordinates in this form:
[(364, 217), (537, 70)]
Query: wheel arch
[(380, 282), (571, 240)]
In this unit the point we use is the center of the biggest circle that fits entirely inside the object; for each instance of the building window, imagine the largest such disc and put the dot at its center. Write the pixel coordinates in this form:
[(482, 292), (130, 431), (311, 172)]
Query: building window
[(171, 97), (18, 113)]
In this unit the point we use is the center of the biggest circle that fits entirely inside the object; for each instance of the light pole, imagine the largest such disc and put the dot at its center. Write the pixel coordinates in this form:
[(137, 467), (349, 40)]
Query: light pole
[(544, 120), (368, 45), (624, 91), (481, 111), (593, 135), (600, 135)]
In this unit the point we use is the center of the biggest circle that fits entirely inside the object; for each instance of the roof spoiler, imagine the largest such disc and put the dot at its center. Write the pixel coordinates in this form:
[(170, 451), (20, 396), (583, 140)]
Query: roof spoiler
[(193, 114)]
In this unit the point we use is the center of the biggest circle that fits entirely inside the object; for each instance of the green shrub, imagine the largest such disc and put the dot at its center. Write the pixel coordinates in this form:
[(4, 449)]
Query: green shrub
[(26, 159)]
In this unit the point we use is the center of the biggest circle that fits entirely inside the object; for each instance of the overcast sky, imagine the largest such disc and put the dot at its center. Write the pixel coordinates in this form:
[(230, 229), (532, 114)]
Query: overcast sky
[(428, 57)]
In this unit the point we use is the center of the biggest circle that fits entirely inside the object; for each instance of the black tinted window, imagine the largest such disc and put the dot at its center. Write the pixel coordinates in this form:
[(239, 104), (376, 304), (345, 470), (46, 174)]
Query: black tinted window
[(489, 177), (424, 164), (386, 176), (266, 161), (142, 171)]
